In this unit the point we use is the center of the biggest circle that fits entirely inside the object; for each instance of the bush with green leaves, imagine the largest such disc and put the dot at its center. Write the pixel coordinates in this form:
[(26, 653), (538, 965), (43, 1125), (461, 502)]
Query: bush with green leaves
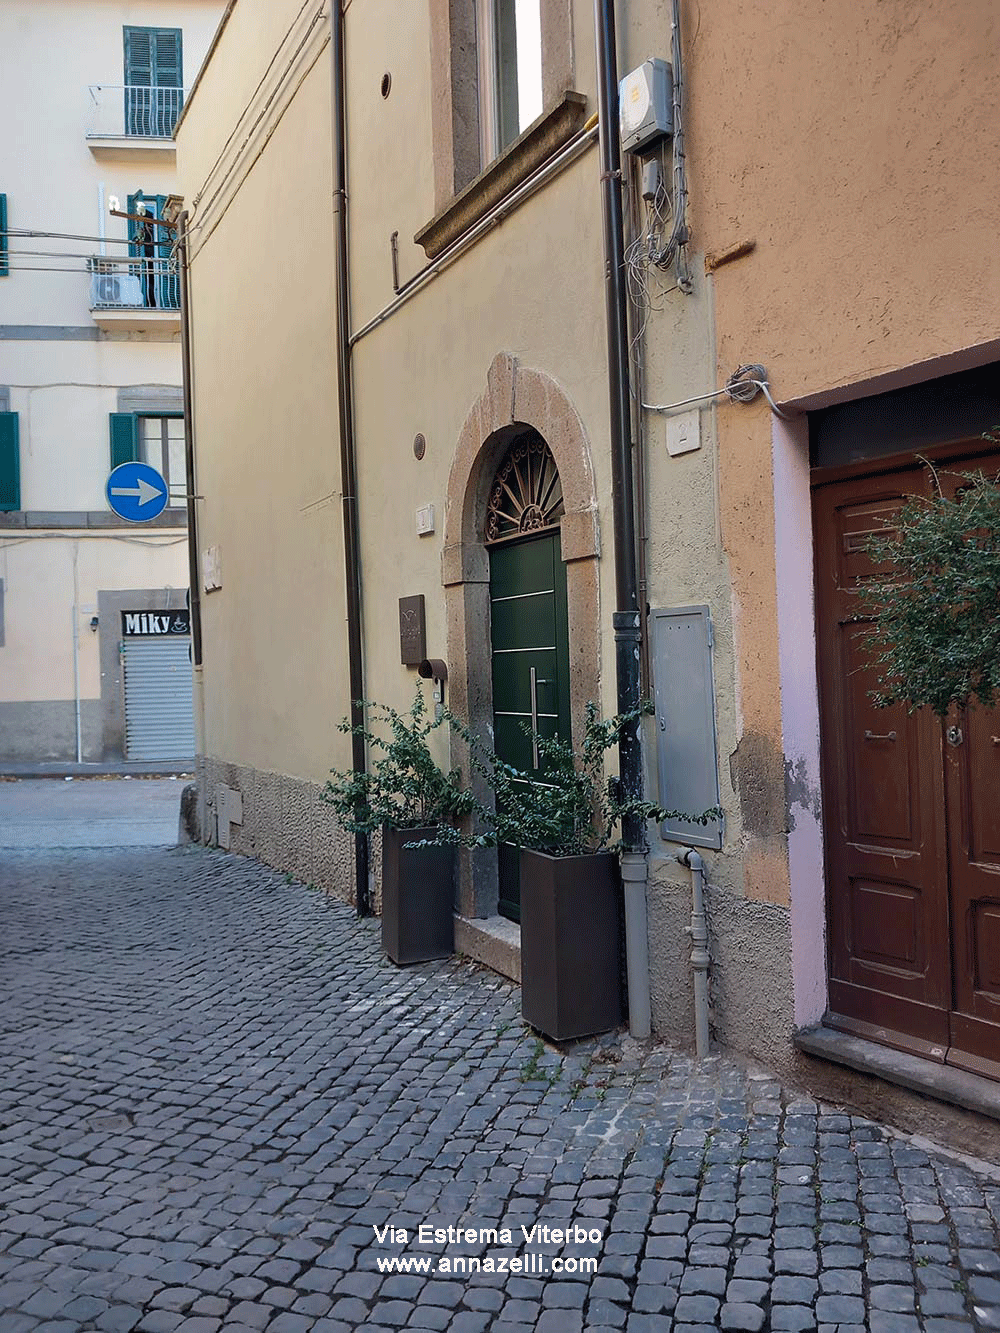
[(935, 636), (404, 787), (569, 808)]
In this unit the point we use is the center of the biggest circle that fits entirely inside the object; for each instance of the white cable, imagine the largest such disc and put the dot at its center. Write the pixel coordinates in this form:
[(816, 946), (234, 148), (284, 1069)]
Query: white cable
[(744, 378)]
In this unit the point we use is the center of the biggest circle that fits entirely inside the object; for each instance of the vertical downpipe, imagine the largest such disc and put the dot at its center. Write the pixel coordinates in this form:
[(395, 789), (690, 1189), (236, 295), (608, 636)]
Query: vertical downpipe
[(345, 404), (627, 617), (76, 651), (187, 381), (700, 956)]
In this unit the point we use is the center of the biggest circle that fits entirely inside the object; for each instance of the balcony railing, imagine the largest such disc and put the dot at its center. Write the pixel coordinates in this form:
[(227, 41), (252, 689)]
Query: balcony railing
[(134, 112), (134, 283)]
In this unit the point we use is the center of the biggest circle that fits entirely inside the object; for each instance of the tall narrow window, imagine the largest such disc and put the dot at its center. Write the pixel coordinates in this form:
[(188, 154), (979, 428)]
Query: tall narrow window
[(153, 81), (162, 446), (509, 41), (4, 262)]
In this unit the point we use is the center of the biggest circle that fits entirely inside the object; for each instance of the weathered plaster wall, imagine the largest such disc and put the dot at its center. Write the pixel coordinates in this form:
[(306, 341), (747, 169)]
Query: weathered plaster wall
[(836, 139), (841, 138), (50, 579), (274, 682), (285, 823)]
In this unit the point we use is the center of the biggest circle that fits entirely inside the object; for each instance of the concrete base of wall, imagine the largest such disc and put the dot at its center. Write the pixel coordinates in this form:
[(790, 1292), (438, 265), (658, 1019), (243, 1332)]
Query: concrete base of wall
[(751, 975), (285, 824), (491, 940), (40, 731)]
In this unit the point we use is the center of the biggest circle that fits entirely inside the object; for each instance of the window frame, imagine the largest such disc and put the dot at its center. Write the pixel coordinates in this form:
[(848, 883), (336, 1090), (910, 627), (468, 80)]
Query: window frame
[(457, 140), (500, 115), (163, 464)]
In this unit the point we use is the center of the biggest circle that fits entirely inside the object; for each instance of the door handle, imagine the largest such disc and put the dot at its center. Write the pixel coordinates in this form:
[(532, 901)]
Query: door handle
[(534, 717), (954, 735), (871, 736)]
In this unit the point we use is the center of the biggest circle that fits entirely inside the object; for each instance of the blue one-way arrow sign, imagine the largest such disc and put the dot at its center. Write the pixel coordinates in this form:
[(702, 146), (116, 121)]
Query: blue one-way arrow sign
[(137, 492)]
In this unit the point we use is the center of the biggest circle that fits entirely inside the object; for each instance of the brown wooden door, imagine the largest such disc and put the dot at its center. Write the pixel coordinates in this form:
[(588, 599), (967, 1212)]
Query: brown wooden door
[(912, 822)]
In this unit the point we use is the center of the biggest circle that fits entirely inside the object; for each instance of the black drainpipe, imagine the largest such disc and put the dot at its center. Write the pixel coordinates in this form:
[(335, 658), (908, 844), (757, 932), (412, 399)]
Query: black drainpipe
[(187, 361), (627, 618), (345, 400)]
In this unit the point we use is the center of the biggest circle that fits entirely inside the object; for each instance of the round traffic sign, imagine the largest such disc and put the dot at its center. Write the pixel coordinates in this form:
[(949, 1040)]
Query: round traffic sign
[(137, 492)]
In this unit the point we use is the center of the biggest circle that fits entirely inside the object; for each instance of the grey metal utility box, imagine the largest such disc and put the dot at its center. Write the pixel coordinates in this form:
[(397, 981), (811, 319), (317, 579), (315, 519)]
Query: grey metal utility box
[(685, 721)]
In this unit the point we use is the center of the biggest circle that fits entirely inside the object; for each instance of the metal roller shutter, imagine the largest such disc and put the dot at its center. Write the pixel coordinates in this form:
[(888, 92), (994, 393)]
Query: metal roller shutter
[(159, 710)]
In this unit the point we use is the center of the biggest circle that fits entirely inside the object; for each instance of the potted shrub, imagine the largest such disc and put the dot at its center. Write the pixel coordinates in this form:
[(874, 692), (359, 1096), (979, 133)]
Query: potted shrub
[(406, 795), (564, 822)]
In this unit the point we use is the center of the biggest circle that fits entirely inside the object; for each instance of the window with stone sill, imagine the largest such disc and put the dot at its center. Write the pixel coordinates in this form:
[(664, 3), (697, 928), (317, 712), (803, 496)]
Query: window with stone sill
[(496, 66)]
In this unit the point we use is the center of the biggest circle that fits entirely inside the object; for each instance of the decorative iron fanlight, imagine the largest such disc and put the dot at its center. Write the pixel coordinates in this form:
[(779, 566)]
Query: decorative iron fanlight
[(527, 494)]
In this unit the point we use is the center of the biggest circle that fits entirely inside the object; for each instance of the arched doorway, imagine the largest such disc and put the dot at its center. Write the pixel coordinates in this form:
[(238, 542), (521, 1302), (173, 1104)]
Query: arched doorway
[(529, 622), (516, 403)]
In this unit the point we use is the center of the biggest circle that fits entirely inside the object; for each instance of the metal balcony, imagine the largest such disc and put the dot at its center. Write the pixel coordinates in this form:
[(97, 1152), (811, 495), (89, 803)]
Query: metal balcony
[(135, 293), (132, 117)]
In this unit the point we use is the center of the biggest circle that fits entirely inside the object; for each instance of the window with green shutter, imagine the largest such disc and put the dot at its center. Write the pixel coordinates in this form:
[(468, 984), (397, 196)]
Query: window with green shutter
[(153, 81), (124, 438), (4, 264), (10, 464)]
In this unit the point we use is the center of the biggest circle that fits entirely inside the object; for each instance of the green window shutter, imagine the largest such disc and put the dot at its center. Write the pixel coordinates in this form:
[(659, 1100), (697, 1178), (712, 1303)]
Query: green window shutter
[(167, 57), (4, 265), (139, 57), (10, 464), (153, 57), (124, 438)]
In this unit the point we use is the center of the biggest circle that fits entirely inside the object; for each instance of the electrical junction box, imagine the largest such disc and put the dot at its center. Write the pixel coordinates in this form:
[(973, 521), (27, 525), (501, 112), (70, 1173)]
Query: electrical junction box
[(684, 433), (646, 105)]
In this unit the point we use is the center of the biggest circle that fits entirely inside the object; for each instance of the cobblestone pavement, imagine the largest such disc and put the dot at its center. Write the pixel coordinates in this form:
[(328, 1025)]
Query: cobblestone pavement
[(89, 812), (215, 1095)]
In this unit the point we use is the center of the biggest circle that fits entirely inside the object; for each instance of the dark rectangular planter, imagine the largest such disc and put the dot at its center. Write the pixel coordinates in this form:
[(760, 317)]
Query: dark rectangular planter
[(418, 897), (569, 943)]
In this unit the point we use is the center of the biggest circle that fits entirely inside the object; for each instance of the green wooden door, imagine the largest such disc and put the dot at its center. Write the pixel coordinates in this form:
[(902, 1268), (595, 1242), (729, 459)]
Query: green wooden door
[(530, 653)]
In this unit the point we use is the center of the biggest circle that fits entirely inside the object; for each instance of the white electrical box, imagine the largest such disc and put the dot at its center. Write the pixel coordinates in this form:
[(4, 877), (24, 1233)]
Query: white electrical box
[(425, 520), (683, 433), (646, 105)]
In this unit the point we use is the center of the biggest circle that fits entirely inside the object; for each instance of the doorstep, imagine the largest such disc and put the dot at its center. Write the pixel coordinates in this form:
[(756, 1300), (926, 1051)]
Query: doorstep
[(491, 940), (944, 1083)]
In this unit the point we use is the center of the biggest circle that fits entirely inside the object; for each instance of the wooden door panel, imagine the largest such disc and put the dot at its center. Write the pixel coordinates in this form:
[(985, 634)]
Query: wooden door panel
[(884, 807), (972, 771), (912, 823), (887, 896), (972, 775)]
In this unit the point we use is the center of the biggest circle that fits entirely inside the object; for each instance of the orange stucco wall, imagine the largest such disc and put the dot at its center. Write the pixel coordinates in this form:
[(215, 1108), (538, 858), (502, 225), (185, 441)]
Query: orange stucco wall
[(857, 146)]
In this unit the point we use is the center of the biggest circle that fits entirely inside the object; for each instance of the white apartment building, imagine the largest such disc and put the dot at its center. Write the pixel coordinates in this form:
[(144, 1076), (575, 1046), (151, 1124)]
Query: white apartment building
[(90, 376)]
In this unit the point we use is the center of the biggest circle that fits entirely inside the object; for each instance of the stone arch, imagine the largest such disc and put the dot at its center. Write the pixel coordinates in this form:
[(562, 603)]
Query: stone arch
[(514, 397)]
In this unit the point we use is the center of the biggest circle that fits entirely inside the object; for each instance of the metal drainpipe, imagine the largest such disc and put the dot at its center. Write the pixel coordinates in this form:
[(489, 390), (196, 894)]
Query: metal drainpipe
[(345, 402), (194, 581), (627, 617), (700, 956)]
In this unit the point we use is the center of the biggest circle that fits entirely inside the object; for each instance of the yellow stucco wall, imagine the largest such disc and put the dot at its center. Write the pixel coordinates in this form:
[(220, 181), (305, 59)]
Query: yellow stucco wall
[(273, 680)]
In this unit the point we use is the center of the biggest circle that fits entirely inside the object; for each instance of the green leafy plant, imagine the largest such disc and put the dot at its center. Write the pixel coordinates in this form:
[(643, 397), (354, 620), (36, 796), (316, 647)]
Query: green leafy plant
[(568, 808), (404, 787), (935, 636)]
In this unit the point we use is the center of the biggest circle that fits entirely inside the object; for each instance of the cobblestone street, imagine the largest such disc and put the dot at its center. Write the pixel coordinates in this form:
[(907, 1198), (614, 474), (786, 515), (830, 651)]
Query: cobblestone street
[(216, 1096)]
